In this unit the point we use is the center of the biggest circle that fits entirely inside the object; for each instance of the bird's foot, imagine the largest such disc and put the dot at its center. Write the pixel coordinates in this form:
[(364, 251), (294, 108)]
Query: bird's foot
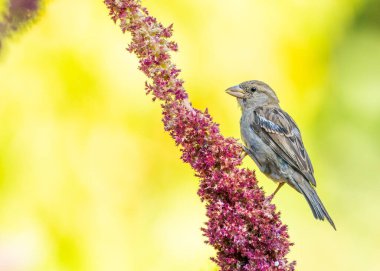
[(245, 151), (270, 198)]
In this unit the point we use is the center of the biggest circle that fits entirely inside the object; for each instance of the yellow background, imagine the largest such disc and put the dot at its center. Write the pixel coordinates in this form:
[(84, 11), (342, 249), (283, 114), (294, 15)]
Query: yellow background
[(89, 180)]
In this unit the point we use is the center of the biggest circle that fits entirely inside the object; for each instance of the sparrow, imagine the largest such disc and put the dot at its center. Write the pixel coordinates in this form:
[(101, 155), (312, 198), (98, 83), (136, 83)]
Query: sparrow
[(272, 139)]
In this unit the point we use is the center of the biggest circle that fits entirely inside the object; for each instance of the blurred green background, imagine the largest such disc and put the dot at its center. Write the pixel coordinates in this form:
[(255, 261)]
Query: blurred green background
[(89, 180)]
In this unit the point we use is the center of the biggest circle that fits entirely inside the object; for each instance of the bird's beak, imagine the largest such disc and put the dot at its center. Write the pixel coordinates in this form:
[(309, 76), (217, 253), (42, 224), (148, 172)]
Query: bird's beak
[(236, 91)]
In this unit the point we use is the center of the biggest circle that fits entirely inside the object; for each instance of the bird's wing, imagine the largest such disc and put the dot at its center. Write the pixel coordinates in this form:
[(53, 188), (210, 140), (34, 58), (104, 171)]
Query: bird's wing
[(280, 132)]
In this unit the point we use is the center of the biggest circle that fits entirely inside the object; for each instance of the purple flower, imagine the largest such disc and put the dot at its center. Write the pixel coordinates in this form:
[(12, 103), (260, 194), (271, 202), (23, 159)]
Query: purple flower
[(243, 227)]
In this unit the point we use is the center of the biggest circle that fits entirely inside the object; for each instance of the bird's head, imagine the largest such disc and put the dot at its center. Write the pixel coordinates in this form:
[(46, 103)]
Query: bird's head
[(253, 94)]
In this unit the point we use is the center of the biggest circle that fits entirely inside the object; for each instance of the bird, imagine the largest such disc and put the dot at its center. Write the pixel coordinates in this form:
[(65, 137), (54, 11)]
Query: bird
[(272, 139)]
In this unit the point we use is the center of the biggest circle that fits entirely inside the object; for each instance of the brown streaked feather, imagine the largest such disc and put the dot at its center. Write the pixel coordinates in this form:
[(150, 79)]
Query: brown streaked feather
[(281, 133)]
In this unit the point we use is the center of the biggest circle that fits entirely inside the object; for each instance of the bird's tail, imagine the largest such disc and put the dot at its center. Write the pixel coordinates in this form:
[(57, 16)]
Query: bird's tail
[(315, 203)]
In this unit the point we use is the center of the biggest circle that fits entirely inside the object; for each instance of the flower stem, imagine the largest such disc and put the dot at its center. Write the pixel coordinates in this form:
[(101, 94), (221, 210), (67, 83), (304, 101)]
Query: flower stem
[(244, 228)]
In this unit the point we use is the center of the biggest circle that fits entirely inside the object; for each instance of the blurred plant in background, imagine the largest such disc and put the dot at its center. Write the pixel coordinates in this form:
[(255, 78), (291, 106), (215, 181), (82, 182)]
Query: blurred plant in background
[(15, 14), (80, 186)]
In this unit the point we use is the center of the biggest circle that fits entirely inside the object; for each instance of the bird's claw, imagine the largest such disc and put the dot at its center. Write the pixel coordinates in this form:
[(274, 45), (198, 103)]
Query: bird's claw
[(270, 198), (244, 153)]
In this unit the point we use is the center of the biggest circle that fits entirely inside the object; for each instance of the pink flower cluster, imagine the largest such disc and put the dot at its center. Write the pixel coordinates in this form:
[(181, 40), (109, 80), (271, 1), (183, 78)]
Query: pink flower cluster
[(243, 225)]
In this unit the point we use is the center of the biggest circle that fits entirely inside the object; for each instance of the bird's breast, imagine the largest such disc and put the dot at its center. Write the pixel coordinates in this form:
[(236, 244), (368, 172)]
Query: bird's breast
[(250, 138), (260, 152)]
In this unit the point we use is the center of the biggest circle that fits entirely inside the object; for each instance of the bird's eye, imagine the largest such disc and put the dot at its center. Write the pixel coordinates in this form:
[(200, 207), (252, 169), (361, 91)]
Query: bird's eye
[(253, 89)]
